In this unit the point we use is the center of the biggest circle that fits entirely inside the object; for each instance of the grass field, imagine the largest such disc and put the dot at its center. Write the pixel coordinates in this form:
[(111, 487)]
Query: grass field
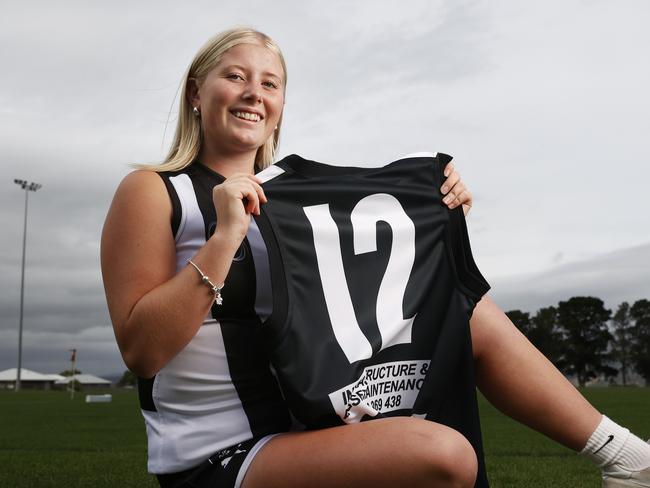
[(48, 440)]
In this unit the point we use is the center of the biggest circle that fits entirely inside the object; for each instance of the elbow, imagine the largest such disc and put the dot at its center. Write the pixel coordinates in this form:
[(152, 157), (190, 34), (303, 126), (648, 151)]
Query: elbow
[(140, 368), (137, 350), (143, 371), (140, 363)]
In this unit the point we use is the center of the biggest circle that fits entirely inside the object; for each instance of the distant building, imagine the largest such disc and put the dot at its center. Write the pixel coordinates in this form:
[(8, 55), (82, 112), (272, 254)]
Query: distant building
[(29, 380), (85, 380)]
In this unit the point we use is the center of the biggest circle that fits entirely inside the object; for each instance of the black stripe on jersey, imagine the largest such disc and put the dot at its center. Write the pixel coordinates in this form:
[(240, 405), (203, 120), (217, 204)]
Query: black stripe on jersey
[(176, 203), (239, 285), (280, 298), (241, 330), (204, 180), (250, 372), (145, 394)]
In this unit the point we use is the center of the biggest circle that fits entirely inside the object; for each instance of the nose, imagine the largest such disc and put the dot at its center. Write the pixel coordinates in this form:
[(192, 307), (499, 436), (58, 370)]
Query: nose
[(252, 93)]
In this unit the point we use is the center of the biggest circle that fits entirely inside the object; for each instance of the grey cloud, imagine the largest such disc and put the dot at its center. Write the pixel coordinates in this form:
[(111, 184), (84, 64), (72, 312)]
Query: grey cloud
[(614, 277), (551, 143), (48, 352)]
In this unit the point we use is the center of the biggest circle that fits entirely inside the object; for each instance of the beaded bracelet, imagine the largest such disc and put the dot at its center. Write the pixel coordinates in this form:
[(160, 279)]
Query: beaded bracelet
[(206, 281)]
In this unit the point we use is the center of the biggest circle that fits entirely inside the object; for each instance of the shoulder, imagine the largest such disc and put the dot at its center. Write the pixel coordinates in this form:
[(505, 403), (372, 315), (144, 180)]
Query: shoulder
[(141, 180), (141, 195), (142, 186)]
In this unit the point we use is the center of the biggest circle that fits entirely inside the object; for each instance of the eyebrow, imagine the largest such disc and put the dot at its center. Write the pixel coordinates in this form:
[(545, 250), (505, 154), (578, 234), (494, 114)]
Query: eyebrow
[(265, 73)]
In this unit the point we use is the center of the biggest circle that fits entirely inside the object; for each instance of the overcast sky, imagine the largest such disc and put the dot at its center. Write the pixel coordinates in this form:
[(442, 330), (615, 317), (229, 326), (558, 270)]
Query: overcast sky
[(544, 105)]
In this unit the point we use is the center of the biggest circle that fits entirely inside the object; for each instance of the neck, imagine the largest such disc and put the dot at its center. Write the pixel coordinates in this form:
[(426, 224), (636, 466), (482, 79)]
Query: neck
[(228, 163)]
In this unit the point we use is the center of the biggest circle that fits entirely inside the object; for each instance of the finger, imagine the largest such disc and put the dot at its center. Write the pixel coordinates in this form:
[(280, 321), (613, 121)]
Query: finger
[(261, 197), (449, 198), (448, 169), (465, 197), (248, 193), (450, 182), (454, 203), (458, 188), (259, 190), (257, 181)]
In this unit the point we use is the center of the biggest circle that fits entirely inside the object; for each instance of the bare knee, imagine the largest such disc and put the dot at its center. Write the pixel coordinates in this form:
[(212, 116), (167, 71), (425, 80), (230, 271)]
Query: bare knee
[(445, 455), (458, 465)]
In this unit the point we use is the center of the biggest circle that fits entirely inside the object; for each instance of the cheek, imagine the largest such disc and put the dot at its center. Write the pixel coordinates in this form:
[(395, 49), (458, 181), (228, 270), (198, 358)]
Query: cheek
[(218, 99), (275, 107)]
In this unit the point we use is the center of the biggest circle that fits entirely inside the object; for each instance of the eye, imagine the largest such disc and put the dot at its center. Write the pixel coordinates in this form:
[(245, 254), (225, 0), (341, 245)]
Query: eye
[(234, 76), (270, 84)]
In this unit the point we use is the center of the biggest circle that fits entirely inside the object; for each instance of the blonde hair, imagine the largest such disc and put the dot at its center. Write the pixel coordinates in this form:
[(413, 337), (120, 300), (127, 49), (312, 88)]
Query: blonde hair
[(189, 136)]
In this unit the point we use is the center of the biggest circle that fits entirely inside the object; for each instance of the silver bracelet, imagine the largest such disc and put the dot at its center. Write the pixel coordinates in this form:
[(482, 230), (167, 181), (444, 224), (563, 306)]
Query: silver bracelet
[(206, 281)]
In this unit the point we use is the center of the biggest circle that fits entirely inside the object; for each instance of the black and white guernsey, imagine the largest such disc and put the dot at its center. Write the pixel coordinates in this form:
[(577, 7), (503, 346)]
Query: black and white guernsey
[(373, 286), (219, 390)]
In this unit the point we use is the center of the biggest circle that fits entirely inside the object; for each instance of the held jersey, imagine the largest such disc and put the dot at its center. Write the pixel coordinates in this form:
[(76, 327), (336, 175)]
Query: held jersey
[(373, 284), (219, 390)]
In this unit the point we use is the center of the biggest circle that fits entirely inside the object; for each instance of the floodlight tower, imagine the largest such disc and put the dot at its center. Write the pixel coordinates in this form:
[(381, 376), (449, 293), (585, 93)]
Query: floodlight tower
[(27, 186)]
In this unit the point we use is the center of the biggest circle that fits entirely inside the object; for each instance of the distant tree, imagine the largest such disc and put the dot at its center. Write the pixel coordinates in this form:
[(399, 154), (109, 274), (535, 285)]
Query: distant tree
[(546, 335), (640, 351), (583, 321), (623, 339), (520, 319), (69, 372), (128, 379)]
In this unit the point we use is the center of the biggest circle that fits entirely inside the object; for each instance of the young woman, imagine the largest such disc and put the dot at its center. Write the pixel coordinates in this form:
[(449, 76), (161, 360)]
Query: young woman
[(211, 417)]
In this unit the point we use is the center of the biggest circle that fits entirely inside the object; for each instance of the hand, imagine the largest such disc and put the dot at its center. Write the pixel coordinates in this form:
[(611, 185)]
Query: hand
[(235, 200), (455, 190)]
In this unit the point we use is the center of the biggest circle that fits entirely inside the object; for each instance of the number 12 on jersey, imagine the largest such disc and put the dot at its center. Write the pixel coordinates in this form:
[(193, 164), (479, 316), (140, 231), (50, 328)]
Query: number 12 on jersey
[(393, 327)]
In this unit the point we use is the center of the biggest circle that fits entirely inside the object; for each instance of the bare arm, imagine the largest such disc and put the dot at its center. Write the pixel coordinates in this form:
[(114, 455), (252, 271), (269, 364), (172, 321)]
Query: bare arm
[(156, 312)]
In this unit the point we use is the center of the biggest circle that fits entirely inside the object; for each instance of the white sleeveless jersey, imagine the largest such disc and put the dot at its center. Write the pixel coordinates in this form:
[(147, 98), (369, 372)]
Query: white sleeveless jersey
[(219, 390)]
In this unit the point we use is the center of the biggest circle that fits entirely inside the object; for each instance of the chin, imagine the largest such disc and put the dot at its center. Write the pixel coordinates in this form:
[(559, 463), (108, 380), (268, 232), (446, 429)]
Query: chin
[(250, 141)]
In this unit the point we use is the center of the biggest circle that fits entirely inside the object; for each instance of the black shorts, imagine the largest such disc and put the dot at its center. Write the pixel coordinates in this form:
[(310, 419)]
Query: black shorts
[(224, 469)]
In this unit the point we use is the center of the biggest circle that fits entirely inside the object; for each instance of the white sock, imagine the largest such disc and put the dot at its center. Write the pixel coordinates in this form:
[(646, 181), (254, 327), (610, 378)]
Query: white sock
[(610, 443)]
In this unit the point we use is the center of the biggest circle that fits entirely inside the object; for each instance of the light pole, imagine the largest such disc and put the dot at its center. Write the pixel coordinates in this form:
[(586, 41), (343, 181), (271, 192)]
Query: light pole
[(27, 186)]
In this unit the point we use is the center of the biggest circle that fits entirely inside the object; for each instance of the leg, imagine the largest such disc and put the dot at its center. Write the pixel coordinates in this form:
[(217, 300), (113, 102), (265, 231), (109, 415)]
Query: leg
[(522, 383), (381, 453), (516, 378)]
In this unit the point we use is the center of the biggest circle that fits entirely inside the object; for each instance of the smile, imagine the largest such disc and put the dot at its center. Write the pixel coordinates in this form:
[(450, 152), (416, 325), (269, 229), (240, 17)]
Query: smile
[(247, 116)]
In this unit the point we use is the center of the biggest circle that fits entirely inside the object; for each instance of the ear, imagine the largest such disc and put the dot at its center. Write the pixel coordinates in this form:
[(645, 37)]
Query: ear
[(193, 92)]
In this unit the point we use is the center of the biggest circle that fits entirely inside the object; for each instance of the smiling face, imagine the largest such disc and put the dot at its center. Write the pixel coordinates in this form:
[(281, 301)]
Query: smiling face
[(241, 100)]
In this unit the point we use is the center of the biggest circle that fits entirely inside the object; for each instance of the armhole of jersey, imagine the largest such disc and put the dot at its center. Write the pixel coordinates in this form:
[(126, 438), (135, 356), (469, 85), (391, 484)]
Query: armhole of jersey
[(279, 295), (177, 209), (145, 394), (469, 279), (189, 206)]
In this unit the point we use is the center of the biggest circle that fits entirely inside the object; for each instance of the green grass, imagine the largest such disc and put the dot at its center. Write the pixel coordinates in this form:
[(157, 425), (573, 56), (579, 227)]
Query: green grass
[(520, 457), (48, 440)]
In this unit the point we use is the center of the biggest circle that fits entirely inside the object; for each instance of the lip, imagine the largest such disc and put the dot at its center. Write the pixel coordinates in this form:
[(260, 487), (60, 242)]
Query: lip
[(247, 110)]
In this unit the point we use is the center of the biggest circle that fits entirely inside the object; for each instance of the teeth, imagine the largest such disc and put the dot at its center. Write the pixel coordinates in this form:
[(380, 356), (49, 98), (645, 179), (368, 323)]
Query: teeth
[(247, 116)]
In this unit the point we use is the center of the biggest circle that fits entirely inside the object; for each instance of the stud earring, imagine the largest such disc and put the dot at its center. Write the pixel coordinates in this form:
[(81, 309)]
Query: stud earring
[(196, 111)]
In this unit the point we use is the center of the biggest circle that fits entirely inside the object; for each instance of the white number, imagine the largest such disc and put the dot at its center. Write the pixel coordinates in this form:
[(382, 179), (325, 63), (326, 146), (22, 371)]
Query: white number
[(393, 327)]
